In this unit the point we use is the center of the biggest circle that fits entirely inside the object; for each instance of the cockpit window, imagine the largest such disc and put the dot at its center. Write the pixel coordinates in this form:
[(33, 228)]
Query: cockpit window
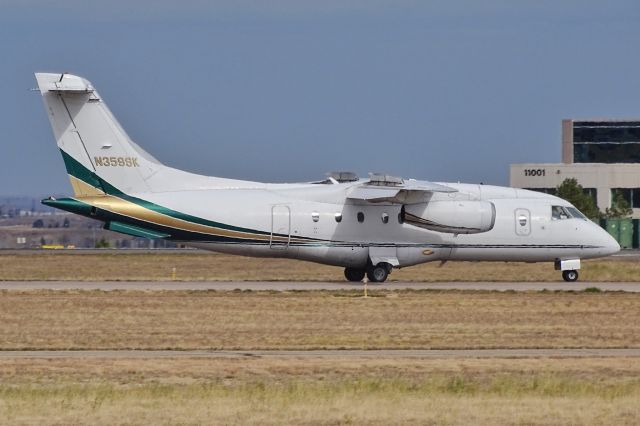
[(559, 213), (576, 213)]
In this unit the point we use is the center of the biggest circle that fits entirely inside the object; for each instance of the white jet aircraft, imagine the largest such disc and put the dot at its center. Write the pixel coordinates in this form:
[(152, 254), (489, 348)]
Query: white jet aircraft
[(368, 226)]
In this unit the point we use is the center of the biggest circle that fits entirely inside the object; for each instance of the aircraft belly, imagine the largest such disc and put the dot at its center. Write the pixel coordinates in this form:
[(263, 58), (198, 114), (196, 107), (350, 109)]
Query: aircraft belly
[(408, 255), (352, 256), (246, 249), (508, 254)]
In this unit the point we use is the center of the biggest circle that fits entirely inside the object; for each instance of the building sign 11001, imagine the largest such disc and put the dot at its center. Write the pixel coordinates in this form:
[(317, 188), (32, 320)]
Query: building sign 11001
[(534, 172)]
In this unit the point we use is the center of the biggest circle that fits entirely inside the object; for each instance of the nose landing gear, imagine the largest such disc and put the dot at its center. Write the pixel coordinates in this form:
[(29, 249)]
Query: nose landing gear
[(570, 276), (569, 269)]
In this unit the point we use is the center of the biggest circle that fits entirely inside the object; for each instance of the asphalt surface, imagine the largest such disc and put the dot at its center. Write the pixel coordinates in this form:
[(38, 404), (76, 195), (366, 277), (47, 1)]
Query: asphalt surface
[(27, 251), (633, 287), (379, 353)]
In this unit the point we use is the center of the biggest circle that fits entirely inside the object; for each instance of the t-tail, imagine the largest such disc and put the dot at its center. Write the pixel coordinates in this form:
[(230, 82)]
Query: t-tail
[(99, 155), (100, 158), (112, 177)]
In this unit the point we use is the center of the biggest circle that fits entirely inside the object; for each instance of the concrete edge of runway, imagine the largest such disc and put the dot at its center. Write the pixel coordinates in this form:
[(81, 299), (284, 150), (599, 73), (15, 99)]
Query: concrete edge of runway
[(334, 354)]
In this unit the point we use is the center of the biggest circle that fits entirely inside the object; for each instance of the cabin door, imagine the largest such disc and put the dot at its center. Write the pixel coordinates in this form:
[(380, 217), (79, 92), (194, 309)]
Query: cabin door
[(280, 227)]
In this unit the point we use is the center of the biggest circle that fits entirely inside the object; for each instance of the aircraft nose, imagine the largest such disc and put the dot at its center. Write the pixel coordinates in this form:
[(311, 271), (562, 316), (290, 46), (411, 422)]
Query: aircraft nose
[(608, 243)]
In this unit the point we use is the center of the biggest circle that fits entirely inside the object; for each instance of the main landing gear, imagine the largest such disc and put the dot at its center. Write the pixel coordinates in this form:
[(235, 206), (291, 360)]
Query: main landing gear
[(375, 274), (354, 274), (378, 273)]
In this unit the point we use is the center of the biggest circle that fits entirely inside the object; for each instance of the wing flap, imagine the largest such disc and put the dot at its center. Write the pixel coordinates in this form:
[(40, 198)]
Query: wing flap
[(423, 185), (374, 192), (370, 193)]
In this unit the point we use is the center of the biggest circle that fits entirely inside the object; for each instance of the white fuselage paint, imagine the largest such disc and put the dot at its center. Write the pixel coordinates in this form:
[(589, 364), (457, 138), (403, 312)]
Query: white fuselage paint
[(351, 243)]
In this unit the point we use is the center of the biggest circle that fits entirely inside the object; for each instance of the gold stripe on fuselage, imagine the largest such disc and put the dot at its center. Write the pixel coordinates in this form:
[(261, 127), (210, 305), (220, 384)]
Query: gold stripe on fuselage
[(127, 208)]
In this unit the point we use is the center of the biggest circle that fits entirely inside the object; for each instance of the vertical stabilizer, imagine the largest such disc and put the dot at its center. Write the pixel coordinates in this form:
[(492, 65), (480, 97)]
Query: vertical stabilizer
[(99, 156)]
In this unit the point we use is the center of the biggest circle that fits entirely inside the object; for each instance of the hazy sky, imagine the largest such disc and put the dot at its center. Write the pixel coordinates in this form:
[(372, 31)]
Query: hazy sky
[(288, 90)]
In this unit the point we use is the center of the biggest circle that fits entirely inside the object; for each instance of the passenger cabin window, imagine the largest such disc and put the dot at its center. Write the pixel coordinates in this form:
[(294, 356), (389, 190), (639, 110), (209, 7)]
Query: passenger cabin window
[(385, 218), (522, 220), (315, 216), (338, 217), (360, 217)]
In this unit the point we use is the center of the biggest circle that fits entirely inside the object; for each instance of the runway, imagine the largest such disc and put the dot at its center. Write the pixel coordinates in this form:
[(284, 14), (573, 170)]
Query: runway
[(632, 287), (338, 353)]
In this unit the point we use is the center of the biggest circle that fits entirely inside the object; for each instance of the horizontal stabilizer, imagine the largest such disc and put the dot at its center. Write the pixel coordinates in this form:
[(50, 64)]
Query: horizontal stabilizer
[(135, 231), (69, 83)]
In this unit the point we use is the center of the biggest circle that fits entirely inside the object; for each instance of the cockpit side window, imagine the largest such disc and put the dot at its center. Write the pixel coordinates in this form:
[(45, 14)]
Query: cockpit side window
[(559, 213)]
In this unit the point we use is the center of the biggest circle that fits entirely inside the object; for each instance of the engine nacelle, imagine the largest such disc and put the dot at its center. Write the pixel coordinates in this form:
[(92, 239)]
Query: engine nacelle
[(455, 217)]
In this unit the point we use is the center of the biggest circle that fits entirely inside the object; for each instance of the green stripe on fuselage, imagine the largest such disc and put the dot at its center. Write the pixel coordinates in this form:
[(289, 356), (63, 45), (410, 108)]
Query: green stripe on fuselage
[(77, 170)]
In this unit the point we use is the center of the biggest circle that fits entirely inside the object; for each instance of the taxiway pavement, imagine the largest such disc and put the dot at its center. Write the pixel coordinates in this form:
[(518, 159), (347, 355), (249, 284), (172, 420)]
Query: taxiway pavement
[(633, 287)]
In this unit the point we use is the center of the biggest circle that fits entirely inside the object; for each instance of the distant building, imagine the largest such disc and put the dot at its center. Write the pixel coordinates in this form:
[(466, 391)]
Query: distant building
[(603, 155)]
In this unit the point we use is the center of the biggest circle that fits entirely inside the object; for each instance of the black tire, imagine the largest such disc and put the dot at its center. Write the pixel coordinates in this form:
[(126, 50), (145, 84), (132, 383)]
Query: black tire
[(570, 276), (354, 274), (378, 273)]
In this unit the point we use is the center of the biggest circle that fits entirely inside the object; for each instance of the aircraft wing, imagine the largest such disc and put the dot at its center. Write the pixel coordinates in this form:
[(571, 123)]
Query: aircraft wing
[(393, 190)]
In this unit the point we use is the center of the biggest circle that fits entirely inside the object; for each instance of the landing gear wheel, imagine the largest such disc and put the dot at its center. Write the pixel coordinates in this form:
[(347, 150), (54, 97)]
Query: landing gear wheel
[(570, 276), (354, 274), (378, 273)]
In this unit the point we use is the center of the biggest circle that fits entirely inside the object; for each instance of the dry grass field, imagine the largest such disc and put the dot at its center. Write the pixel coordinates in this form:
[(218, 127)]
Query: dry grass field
[(202, 266), (320, 391), (316, 320), (312, 391)]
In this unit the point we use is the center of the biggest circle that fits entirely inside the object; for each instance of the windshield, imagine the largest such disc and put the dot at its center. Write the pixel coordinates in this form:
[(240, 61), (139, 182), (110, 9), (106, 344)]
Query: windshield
[(576, 213), (561, 212)]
